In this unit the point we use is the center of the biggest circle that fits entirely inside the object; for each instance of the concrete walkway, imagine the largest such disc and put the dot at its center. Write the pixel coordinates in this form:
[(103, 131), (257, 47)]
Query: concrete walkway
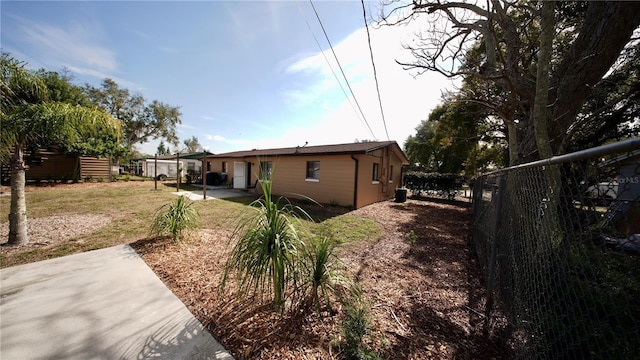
[(103, 304), (218, 193)]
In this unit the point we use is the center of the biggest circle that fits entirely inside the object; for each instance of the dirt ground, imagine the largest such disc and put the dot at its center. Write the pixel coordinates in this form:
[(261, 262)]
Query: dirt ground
[(425, 293), (421, 281), (50, 231)]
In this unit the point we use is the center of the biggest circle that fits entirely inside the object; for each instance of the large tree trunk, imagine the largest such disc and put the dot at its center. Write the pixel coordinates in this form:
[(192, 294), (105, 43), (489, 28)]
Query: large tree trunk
[(542, 80), (512, 138), (18, 212), (549, 226)]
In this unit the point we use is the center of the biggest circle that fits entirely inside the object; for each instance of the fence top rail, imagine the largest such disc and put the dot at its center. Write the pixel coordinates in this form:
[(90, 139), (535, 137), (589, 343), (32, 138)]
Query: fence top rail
[(621, 146)]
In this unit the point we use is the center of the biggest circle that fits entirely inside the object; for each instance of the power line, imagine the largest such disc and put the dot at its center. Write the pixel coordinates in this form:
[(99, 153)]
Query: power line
[(341, 70), (375, 75), (330, 67)]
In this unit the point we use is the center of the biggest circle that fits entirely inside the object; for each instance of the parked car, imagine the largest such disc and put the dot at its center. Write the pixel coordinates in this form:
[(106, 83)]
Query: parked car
[(603, 193)]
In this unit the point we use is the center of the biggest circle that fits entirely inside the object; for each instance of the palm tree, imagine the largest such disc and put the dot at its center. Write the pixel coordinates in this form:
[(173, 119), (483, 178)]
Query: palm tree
[(29, 119)]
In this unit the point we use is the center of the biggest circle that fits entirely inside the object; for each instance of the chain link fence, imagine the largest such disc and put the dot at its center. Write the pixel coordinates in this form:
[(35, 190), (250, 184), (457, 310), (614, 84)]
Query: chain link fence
[(559, 244)]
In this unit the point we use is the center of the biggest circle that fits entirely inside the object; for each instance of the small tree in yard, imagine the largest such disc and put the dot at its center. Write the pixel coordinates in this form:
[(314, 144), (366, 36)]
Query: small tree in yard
[(29, 120), (175, 219)]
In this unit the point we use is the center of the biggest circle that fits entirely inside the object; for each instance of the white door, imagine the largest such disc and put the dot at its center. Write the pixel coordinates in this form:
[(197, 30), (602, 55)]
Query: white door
[(239, 175)]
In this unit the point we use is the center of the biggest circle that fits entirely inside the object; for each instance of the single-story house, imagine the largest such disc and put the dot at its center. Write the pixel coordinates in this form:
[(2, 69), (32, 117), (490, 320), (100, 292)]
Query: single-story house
[(355, 174), (53, 165)]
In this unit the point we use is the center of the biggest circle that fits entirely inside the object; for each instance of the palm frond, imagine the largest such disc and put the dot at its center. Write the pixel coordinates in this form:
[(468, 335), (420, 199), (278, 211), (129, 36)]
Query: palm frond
[(18, 86)]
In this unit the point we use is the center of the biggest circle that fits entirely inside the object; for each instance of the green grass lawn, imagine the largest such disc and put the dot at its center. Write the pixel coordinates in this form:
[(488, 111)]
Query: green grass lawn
[(131, 207)]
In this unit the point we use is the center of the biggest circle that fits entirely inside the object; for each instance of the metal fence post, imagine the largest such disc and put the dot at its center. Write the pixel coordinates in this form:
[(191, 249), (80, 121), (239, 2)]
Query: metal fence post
[(501, 189)]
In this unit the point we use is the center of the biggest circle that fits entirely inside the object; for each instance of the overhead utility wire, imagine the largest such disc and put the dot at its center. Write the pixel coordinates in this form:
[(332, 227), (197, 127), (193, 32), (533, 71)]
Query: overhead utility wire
[(375, 75), (341, 70), (329, 64)]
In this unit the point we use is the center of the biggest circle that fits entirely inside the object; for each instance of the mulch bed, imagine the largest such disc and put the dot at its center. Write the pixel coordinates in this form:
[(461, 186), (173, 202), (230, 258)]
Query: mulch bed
[(421, 280)]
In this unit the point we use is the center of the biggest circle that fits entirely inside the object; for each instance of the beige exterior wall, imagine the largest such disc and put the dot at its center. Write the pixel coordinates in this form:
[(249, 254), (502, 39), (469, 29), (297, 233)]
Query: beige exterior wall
[(335, 185), (337, 176), (389, 176)]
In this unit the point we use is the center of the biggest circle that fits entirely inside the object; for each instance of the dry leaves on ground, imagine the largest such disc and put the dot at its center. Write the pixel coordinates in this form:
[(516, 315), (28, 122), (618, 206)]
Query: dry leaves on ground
[(421, 280)]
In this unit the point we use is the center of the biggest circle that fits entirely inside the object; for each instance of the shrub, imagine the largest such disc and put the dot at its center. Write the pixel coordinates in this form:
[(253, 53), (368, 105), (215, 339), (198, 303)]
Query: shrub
[(447, 184), (321, 275), (175, 219), (355, 327), (265, 258), (412, 237)]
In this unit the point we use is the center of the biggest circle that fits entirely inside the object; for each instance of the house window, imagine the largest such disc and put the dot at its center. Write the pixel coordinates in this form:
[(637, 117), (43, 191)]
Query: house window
[(224, 166), (313, 170), (391, 173), (266, 168), (376, 176)]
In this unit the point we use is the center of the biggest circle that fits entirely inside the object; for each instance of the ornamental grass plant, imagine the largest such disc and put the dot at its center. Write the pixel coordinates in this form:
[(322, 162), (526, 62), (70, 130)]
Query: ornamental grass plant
[(175, 219), (265, 258), (321, 274)]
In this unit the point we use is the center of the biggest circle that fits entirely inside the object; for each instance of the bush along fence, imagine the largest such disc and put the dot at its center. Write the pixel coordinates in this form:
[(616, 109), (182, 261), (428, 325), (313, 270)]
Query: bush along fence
[(434, 184), (558, 241)]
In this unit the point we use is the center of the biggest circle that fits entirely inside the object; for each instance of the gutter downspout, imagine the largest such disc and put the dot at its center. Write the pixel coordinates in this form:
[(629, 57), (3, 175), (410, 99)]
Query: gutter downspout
[(355, 184)]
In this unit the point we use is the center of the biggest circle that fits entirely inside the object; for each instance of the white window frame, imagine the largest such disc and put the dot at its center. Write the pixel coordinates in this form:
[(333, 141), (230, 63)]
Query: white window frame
[(315, 177)]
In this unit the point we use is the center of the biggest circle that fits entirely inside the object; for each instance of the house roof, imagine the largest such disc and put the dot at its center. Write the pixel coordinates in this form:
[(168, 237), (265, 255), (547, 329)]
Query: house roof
[(189, 156), (194, 156), (337, 149)]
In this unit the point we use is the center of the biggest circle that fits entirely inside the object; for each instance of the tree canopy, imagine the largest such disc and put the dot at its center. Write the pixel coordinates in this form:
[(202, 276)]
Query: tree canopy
[(162, 149), (41, 109), (496, 48), (33, 117), (455, 139), (141, 121), (192, 145)]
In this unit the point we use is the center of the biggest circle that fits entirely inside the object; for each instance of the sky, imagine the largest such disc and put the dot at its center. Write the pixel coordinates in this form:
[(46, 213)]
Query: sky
[(245, 74)]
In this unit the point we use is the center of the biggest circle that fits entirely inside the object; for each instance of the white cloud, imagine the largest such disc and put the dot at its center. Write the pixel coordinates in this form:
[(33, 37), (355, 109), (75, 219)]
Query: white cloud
[(77, 45), (216, 137), (406, 100), (187, 126), (102, 75), (169, 50)]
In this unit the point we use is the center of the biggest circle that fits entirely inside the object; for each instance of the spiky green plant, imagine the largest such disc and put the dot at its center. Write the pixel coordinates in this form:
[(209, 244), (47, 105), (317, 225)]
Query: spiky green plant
[(175, 219), (355, 328), (265, 258), (321, 273)]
